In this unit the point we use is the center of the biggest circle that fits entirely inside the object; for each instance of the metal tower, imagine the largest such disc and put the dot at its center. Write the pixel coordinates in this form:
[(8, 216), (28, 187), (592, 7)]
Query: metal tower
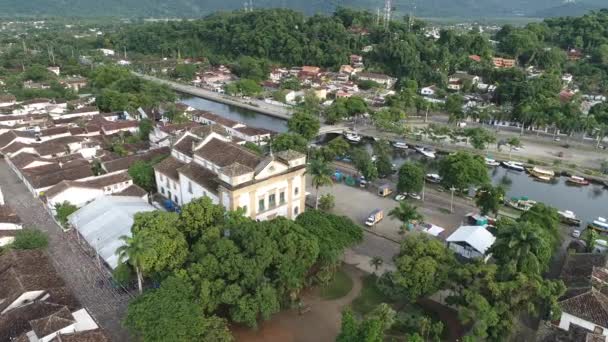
[(387, 13)]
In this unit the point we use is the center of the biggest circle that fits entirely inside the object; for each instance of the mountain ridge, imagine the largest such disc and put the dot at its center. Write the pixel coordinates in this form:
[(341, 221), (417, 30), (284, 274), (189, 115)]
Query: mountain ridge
[(198, 8)]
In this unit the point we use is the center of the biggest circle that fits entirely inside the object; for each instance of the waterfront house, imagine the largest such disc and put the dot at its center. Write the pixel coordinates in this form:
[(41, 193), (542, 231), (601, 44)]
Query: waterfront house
[(471, 242)]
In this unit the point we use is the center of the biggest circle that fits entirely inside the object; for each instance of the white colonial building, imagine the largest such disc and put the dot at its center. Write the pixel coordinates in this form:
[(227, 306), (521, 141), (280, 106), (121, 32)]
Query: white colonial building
[(205, 162)]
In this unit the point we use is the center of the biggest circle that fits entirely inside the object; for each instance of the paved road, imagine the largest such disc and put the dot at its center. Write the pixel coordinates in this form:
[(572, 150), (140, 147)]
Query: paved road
[(252, 104), (77, 267)]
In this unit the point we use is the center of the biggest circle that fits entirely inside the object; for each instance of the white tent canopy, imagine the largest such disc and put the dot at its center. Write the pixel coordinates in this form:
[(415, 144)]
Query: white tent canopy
[(475, 236), (102, 222)]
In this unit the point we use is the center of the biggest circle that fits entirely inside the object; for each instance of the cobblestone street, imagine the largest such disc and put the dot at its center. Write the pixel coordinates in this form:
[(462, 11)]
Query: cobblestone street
[(76, 266)]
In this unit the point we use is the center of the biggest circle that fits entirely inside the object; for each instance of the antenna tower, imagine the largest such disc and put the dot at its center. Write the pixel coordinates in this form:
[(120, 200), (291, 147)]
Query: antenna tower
[(387, 13)]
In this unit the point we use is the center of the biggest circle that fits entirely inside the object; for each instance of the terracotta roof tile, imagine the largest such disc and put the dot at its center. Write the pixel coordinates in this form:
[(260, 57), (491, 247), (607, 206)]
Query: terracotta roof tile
[(132, 191), (591, 306), (124, 163), (222, 153), (200, 175), (168, 167)]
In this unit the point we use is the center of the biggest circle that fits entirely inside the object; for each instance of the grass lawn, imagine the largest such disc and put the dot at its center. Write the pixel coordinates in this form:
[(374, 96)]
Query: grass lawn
[(370, 296), (339, 287)]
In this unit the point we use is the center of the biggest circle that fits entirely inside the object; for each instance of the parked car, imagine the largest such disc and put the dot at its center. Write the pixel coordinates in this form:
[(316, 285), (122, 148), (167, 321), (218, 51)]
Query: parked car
[(576, 233), (401, 197), (415, 196), (374, 217)]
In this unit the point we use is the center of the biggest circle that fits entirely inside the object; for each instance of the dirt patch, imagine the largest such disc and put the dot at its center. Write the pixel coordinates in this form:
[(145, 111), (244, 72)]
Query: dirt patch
[(320, 324)]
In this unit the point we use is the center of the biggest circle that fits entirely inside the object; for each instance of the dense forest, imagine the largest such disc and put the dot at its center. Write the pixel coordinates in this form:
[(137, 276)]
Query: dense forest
[(197, 8)]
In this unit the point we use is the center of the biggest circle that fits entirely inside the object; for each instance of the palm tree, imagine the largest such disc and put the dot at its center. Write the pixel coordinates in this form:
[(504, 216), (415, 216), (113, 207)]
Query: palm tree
[(523, 245), (132, 252), (376, 262), (405, 213), (321, 176)]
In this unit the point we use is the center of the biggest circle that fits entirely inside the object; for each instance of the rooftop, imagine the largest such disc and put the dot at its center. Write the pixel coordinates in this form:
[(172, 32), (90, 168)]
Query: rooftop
[(201, 176), (578, 268), (477, 237), (591, 306), (168, 167), (222, 153)]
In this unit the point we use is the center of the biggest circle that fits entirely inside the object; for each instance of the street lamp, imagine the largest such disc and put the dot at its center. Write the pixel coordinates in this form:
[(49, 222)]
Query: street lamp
[(452, 189)]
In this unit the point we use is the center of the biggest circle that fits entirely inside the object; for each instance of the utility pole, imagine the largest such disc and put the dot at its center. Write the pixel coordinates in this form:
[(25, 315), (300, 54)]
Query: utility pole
[(387, 13), (125, 51), (378, 17)]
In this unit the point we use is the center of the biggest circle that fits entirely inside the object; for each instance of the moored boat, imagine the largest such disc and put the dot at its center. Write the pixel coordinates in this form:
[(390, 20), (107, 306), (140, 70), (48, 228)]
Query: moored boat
[(600, 224), (541, 174), (568, 217), (491, 162), (513, 165), (400, 145), (576, 180), (433, 178), (352, 137), (425, 152), (522, 204)]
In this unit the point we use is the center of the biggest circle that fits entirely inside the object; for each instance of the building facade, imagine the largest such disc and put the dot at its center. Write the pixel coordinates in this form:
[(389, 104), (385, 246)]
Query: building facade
[(204, 162)]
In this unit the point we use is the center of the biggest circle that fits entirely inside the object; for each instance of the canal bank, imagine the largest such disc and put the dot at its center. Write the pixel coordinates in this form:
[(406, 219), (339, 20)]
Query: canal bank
[(251, 105)]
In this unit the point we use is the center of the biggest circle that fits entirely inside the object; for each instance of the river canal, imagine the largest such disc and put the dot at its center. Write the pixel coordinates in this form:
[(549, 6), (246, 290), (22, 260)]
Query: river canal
[(246, 116), (588, 202)]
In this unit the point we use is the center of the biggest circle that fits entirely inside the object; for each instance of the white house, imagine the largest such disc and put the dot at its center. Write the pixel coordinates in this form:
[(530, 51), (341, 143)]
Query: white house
[(207, 163), (107, 52), (471, 242), (81, 192), (428, 91), (382, 79), (588, 310)]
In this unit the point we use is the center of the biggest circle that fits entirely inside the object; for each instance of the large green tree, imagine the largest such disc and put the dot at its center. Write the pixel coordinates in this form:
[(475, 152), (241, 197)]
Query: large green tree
[(411, 177), (423, 266), (462, 169), (489, 198), (173, 313), (304, 124)]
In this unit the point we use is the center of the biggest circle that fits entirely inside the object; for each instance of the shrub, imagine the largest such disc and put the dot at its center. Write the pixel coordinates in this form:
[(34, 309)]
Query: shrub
[(64, 210), (327, 202), (30, 239)]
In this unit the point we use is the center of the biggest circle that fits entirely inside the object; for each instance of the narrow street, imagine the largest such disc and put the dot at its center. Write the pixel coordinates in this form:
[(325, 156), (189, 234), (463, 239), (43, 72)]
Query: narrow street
[(79, 269)]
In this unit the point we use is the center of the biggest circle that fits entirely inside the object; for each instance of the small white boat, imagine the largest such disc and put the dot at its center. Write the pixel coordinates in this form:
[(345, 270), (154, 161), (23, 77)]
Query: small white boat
[(491, 162), (425, 152), (433, 178), (400, 145), (513, 165), (353, 137), (542, 174), (576, 180), (522, 204), (568, 217), (599, 224)]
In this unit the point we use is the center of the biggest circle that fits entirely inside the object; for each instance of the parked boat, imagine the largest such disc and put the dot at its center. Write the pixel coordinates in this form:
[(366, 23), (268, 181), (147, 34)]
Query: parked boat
[(400, 145), (425, 152), (433, 178), (600, 224), (513, 165), (522, 204), (541, 174), (491, 162), (569, 218), (576, 180), (353, 137)]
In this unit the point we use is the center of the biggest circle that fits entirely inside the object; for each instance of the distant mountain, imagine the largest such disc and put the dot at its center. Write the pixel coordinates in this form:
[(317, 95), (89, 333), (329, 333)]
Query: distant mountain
[(197, 8), (571, 9)]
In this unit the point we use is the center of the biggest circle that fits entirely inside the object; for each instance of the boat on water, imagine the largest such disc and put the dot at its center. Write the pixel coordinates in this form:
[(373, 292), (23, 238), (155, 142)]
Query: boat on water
[(433, 178), (516, 166), (400, 145), (541, 174), (576, 180), (600, 224), (568, 217), (353, 137), (425, 152), (521, 204), (491, 162)]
